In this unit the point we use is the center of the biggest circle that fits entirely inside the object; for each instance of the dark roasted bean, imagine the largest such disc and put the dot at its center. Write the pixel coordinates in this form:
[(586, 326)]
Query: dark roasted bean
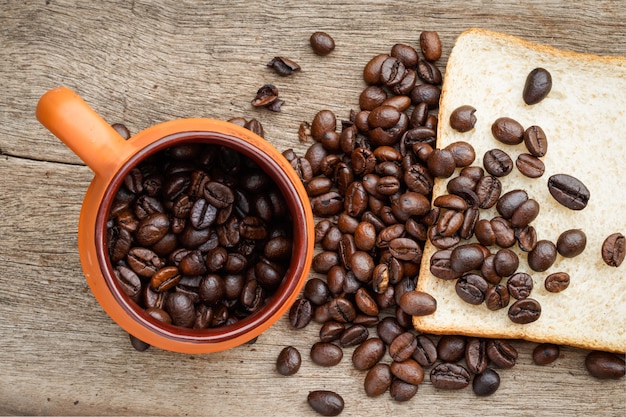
[(605, 365), (507, 131), (486, 383), (569, 191), (524, 311), (537, 86), (449, 376), (463, 118), (288, 361), (326, 403), (614, 249), (545, 353)]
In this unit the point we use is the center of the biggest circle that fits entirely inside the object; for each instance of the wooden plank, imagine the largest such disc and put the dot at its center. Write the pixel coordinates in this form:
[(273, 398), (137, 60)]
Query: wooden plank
[(143, 62)]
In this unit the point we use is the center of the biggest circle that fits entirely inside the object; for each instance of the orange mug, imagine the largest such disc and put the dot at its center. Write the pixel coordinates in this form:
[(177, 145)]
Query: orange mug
[(111, 158)]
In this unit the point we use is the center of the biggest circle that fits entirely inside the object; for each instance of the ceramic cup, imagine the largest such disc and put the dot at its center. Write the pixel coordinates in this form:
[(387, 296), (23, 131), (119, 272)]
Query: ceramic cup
[(111, 158)]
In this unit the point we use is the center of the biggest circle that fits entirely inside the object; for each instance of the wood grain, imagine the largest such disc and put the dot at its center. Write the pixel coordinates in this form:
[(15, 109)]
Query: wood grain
[(142, 62)]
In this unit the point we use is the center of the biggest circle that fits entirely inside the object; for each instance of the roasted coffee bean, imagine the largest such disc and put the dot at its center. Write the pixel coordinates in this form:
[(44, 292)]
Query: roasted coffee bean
[(484, 232), (476, 355), (526, 238), (323, 261), (451, 348), (181, 309), (283, 66), (418, 303), (326, 403), (536, 141), (486, 383), (449, 376), (212, 288), (465, 258), (252, 296), (501, 353), (525, 213), (417, 179), (144, 262), (152, 228), (354, 335), (488, 270), (403, 347), (503, 231), (326, 354), (426, 93), (614, 249), (450, 223), (392, 71), (300, 313), (488, 189), (405, 53), (406, 84), (463, 119), (138, 344), (520, 285), (368, 353), (507, 131), (605, 365), (537, 86), (316, 291), (322, 43), (557, 281), (505, 262), (441, 163), (428, 72), (372, 97), (524, 311), (471, 288), (569, 191), (331, 331), (402, 391), (425, 351), (165, 278), (571, 243), (377, 380), (265, 96), (289, 361), (542, 256), (341, 310), (497, 297), (408, 371), (361, 264), (430, 45), (371, 71), (129, 281), (530, 165), (388, 329), (365, 302), (545, 353), (497, 162)]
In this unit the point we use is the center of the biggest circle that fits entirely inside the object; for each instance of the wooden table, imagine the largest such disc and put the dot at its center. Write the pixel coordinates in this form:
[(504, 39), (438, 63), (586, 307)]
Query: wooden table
[(141, 62)]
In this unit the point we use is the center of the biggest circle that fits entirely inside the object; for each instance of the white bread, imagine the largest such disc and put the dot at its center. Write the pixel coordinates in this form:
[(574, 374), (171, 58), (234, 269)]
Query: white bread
[(584, 118)]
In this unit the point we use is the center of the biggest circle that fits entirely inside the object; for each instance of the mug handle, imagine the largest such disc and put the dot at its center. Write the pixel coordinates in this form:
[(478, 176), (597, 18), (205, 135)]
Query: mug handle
[(88, 135)]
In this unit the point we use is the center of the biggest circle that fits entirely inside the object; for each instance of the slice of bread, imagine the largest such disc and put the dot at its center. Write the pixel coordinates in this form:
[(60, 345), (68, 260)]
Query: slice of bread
[(584, 118)]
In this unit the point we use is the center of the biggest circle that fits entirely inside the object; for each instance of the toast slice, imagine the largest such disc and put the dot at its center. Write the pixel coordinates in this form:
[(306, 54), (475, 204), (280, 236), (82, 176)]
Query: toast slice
[(584, 118)]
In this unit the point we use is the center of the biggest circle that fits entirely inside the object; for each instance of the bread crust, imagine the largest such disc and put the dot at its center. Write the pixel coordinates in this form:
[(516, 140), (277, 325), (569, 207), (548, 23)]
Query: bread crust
[(592, 331)]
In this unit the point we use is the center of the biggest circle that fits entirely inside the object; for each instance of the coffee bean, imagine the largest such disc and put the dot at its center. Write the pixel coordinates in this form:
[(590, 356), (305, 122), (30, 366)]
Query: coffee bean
[(488, 189), (476, 355), (392, 71), (322, 43), (283, 66), (569, 191), (331, 330), (403, 346), (526, 238), (505, 262), (288, 361), (530, 165), (326, 354), (520, 285), (536, 141), (428, 72), (524, 311), (377, 380), (545, 353), (507, 131), (418, 303), (441, 163), (165, 278), (462, 152), (408, 371), (300, 313), (486, 383), (501, 353), (605, 365), (368, 353), (571, 243), (557, 281), (614, 249), (138, 344), (326, 403), (430, 45), (537, 86), (510, 202), (488, 270), (463, 119), (471, 288), (451, 348), (542, 256), (426, 93), (503, 231), (402, 391), (449, 376), (354, 335), (425, 352), (341, 310), (497, 297), (181, 309), (497, 162), (128, 280), (388, 329), (465, 258)]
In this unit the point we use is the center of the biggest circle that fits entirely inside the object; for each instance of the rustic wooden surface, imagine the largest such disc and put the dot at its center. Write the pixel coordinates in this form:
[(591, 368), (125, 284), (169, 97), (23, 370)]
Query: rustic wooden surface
[(141, 62)]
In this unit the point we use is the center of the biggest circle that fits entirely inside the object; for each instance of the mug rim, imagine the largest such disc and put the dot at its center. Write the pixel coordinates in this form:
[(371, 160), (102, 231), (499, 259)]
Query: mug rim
[(292, 281)]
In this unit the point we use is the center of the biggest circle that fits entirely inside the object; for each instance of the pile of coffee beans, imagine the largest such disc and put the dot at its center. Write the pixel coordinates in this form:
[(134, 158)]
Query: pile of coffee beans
[(370, 185), (198, 235)]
